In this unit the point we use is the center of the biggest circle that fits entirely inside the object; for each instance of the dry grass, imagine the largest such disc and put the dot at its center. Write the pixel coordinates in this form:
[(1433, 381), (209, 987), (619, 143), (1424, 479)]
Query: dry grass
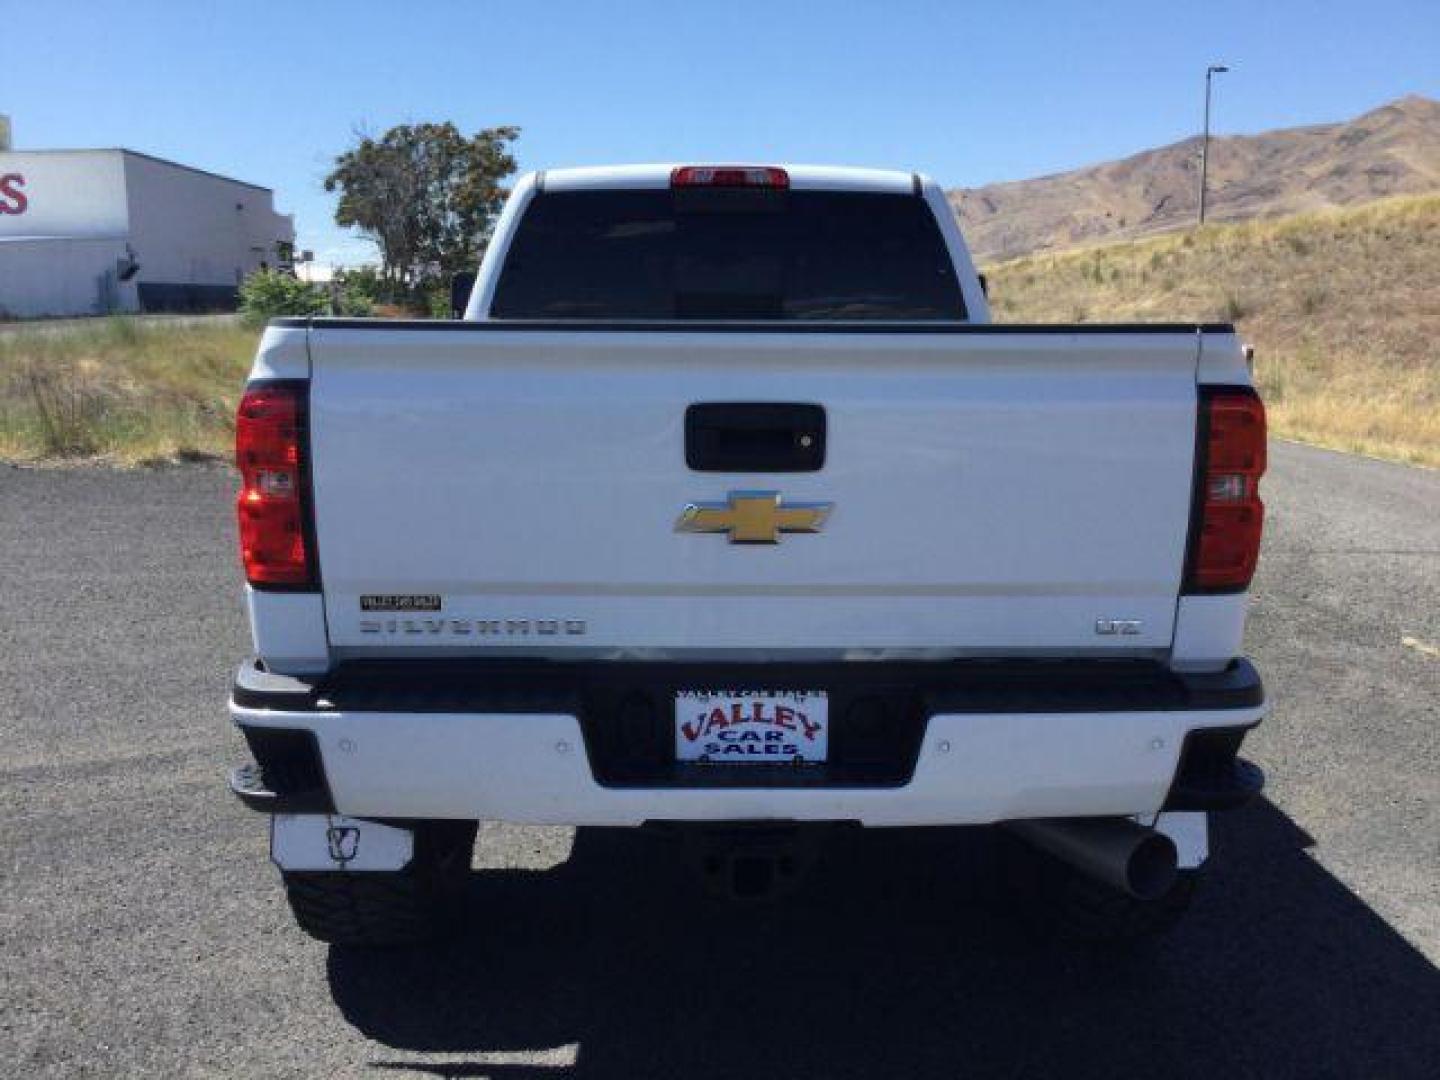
[(1343, 308), (122, 391)]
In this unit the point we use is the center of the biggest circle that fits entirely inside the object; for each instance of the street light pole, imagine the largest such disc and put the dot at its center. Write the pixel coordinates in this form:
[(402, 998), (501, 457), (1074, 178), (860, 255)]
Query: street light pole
[(1210, 71)]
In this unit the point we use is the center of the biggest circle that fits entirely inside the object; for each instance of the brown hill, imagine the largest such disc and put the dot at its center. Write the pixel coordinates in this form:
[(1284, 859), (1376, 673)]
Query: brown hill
[(1393, 150), (1342, 306)]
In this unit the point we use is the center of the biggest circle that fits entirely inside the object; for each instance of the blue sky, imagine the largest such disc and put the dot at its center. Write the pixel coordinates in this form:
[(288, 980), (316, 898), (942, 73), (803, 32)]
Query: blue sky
[(969, 92)]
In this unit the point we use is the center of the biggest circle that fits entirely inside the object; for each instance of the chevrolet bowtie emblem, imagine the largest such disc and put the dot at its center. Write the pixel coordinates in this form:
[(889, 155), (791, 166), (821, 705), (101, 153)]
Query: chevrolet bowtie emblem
[(753, 517)]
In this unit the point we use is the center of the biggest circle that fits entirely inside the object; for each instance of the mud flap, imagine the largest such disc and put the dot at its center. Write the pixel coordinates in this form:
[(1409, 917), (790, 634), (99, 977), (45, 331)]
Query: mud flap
[(336, 842)]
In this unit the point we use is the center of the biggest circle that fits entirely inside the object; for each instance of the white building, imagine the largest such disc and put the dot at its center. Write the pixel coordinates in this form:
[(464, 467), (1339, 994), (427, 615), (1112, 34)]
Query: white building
[(87, 232)]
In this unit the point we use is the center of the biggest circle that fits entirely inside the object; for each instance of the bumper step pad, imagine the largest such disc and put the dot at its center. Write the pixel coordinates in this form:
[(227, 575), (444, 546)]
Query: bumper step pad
[(247, 783)]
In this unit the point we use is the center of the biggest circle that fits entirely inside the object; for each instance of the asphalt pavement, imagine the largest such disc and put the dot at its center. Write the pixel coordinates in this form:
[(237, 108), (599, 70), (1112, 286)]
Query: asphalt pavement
[(144, 932)]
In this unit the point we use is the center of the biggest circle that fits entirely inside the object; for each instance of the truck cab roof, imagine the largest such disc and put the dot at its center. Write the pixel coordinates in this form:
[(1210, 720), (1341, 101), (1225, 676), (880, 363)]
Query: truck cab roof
[(802, 177)]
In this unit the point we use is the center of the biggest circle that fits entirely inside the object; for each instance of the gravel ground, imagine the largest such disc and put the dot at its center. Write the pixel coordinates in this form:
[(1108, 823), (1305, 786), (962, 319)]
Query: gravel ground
[(144, 931)]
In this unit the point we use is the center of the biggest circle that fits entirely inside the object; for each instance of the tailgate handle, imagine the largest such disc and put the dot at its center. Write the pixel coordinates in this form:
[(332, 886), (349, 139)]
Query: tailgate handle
[(760, 436)]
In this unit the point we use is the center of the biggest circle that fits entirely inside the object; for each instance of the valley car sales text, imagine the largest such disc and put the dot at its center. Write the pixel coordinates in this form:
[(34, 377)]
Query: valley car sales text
[(763, 729)]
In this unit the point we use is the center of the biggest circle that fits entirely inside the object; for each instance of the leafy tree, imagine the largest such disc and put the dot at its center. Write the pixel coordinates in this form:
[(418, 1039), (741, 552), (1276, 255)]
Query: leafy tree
[(268, 294), (427, 196)]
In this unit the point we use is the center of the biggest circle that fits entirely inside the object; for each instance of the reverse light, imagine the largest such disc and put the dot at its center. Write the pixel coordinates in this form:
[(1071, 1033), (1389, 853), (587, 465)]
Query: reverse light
[(755, 176), (273, 505), (1228, 514)]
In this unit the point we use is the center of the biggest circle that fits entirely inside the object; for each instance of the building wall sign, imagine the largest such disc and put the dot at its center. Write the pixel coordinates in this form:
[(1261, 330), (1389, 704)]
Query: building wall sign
[(12, 194), (78, 195)]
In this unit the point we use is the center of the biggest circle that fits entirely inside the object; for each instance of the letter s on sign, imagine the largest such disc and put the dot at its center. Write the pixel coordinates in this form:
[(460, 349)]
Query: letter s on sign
[(12, 199)]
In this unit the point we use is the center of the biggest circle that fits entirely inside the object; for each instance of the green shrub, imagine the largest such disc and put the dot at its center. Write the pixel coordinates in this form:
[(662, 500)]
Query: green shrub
[(437, 301), (358, 291), (269, 294)]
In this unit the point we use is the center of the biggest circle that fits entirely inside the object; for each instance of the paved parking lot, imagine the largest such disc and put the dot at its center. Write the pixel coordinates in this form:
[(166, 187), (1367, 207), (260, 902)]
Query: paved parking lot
[(144, 931)]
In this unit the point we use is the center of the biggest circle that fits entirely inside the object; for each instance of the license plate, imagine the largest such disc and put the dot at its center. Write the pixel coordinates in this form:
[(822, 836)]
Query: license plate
[(751, 726)]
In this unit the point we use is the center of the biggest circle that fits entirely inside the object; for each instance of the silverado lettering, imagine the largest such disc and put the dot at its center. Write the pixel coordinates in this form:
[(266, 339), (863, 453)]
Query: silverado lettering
[(462, 627)]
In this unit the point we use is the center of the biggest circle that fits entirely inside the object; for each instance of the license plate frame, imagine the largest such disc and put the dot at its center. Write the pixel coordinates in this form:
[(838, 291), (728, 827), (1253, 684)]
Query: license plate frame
[(752, 727)]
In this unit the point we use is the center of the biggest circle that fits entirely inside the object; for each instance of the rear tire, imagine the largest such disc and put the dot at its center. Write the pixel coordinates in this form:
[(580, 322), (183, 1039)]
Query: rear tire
[(380, 909), (1059, 902)]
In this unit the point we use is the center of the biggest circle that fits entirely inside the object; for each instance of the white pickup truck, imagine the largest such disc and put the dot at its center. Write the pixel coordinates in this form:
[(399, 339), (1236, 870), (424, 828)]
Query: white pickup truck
[(726, 509)]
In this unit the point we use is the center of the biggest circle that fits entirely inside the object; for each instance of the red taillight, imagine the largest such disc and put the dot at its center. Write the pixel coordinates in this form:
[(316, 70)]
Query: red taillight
[(1226, 541), (758, 176), (273, 503)]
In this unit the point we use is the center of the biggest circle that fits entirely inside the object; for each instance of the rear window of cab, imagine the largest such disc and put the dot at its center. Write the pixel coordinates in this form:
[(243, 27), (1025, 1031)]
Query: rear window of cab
[(728, 254)]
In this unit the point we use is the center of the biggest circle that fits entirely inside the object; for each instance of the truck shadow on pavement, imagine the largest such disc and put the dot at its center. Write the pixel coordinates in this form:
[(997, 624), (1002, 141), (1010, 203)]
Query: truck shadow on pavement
[(897, 959)]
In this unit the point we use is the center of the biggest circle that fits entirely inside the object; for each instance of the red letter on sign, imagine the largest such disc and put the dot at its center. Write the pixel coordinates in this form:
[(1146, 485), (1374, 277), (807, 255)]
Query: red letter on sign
[(10, 185)]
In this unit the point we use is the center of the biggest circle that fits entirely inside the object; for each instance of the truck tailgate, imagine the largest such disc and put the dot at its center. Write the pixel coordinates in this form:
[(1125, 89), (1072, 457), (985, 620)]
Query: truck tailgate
[(504, 488)]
